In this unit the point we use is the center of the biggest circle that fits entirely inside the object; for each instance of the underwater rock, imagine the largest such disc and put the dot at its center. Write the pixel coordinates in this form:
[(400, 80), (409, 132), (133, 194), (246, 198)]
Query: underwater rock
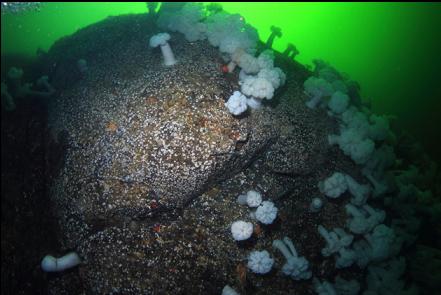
[(146, 141), (301, 147), (143, 137)]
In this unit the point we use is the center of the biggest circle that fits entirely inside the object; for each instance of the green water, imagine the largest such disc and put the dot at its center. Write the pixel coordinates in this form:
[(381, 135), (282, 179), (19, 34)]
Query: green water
[(392, 49)]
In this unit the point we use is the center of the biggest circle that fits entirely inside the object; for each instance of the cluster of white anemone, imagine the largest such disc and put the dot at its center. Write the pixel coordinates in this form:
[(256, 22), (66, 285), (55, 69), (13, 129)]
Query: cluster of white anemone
[(236, 40)]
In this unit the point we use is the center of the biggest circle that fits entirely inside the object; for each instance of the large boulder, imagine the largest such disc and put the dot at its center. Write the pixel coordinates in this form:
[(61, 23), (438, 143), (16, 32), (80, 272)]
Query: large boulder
[(143, 137), (154, 163)]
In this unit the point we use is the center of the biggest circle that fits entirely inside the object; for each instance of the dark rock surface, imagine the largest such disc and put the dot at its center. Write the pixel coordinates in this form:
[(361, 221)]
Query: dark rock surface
[(154, 163)]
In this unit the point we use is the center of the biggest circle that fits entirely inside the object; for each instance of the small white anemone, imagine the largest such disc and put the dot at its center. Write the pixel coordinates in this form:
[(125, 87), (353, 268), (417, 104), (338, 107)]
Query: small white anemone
[(237, 103), (161, 40), (260, 262), (254, 198), (266, 212), (316, 204), (241, 230), (257, 87), (52, 264)]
